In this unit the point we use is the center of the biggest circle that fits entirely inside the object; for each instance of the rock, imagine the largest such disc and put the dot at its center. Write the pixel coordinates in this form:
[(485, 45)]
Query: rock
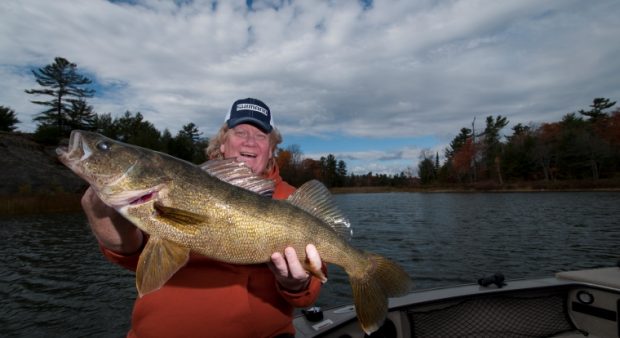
[(29, 168)]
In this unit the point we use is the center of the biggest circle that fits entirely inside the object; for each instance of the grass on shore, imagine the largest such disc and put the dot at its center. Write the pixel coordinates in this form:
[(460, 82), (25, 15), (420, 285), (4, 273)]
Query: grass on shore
[(33, 204)]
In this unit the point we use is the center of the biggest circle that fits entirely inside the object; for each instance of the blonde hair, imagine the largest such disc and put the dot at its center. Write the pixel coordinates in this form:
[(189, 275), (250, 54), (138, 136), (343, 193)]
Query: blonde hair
[(213, 149)]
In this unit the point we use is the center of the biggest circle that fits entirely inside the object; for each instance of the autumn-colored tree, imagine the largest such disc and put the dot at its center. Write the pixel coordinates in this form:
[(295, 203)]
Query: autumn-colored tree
[(289, 161), (310, 169), (611, 130), (285, 163), (546, 147), (462, 161), (454, 152)]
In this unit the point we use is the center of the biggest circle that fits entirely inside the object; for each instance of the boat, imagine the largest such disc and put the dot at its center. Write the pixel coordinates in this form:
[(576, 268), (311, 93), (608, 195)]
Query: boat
[(582, 303)]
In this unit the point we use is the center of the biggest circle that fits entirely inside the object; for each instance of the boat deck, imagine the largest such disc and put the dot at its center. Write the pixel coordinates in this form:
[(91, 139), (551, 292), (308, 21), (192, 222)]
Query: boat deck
[(571, 304)]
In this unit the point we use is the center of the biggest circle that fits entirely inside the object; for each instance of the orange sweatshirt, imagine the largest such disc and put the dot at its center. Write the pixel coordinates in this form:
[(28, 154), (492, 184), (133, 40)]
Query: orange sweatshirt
[(207, 298)]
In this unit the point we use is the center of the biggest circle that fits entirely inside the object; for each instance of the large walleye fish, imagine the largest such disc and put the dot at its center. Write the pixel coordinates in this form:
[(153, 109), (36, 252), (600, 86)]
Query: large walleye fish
[(209, 210)]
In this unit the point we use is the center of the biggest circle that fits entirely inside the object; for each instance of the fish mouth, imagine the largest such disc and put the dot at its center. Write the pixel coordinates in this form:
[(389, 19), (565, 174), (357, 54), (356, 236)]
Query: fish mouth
[(75, 152)]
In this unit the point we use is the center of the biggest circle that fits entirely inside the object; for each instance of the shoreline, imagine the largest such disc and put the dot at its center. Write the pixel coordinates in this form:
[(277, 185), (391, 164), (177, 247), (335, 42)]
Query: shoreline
[(610, 185), (379, 190), (25, 204)]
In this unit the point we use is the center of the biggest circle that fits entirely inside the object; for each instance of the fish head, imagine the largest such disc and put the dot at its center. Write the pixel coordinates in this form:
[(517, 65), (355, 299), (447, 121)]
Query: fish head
[(120, 173)]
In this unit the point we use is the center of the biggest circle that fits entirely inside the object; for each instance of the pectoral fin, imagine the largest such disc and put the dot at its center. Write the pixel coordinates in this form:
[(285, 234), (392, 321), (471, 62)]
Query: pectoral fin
[(159, 260), (185, 221)]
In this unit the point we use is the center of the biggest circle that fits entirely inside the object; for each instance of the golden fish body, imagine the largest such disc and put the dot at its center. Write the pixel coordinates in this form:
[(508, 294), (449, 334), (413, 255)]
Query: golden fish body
[(210, 211)]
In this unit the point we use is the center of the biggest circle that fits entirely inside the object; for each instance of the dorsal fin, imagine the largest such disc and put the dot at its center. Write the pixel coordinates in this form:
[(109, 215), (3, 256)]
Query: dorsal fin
[(314, 198), (237, 173)]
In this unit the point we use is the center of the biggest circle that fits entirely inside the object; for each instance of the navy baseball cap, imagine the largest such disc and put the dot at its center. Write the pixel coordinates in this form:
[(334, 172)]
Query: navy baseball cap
[(252, 111)]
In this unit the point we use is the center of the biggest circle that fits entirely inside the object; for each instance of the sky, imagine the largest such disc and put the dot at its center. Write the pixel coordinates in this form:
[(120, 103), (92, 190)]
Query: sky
[(375, 83)]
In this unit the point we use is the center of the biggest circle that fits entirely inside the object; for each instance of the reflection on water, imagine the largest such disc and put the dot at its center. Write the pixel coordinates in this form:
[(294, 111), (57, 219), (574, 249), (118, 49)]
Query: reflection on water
[(54, 282), (444, 239)]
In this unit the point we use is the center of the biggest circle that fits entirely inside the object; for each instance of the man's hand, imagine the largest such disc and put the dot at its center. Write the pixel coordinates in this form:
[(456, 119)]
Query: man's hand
[(111, 229), (290, 272)]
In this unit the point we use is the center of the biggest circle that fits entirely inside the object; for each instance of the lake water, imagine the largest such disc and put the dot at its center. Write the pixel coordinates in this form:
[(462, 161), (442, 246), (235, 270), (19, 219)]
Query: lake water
[(54, 282)]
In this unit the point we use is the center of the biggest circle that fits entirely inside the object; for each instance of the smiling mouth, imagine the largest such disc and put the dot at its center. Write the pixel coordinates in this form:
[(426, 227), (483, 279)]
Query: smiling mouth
[(250, 155)]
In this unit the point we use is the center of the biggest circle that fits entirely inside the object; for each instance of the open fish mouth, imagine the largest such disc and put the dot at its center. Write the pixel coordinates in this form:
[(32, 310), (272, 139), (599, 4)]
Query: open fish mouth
[(76, 151)]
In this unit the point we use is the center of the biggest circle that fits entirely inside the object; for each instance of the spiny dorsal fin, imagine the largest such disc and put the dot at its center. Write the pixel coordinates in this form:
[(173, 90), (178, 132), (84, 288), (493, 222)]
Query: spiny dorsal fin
[(314, 198), (237, 173)]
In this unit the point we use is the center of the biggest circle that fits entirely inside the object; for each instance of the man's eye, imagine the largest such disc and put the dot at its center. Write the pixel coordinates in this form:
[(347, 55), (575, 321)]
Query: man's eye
[(260, 137)]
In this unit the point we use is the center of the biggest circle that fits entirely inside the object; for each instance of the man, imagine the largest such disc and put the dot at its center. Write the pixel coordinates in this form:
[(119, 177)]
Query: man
[(207, 298)]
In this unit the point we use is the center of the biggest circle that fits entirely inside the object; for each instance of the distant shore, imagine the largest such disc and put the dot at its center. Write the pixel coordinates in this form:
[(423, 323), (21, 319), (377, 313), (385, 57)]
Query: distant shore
[(70, 202), (526, 186)]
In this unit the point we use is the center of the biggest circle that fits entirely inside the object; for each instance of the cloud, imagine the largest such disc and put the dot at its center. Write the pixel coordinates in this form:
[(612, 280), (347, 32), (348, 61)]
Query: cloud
[(401, 69)]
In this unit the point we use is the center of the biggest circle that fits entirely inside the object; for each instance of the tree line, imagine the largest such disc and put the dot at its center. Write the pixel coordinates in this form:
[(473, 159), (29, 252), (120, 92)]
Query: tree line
[(583, 145), (66, 108)]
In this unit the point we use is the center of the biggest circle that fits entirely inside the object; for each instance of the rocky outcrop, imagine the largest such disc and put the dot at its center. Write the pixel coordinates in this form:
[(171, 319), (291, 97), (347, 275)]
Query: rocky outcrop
[(29, 168)]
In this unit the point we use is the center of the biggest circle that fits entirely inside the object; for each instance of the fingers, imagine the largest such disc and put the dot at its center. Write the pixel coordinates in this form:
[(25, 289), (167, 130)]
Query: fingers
[(288, 265), (314, 262), (296, 270), (278, 265), (312, 255), (289, 271)]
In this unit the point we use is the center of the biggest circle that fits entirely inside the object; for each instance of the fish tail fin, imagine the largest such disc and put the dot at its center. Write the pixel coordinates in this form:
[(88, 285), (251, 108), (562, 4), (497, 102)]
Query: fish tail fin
[(382, 279)]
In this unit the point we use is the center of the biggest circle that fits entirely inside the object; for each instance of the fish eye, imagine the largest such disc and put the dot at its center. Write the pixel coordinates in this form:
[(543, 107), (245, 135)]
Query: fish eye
[(103, 146)]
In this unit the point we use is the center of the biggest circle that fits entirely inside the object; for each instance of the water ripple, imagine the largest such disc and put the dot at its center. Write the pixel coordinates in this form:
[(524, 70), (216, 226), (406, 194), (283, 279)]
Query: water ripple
[(54, 282)]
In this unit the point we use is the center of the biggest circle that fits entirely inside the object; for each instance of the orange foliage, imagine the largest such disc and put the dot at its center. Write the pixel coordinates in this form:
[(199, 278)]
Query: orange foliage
[(462, 158), (549, 132), (284, 159)]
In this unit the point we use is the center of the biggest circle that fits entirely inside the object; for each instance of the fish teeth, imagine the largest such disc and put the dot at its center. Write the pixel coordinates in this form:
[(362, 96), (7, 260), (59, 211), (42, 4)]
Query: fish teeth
[(86, 150)]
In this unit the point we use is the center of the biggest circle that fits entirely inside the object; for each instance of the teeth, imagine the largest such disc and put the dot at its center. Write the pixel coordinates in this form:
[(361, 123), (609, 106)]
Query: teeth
[(86, 150)]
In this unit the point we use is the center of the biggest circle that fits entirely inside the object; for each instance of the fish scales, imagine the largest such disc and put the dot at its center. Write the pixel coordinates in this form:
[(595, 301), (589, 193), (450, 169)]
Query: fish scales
[(184, 208)]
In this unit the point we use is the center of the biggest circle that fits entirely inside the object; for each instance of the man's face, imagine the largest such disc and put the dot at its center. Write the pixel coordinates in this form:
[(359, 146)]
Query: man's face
[(248, 144)]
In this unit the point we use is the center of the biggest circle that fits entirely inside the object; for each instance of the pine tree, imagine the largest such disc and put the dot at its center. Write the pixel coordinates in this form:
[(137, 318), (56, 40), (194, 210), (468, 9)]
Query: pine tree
[(7, 119), (65, 85), (598, 105)]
